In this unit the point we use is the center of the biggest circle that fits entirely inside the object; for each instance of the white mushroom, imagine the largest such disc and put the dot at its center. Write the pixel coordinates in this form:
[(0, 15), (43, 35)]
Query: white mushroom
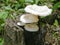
[(31, 27), (38, 10), (29, 18), (20, 23)]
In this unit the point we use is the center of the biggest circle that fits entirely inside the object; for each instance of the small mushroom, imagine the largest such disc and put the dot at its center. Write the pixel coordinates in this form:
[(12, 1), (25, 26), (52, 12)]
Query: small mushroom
[(20, 23), (31, 27), (38, 10), (29, 18)]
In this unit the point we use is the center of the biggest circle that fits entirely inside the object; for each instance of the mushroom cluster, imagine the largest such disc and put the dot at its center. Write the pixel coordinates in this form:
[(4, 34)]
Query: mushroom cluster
[(29, 21)]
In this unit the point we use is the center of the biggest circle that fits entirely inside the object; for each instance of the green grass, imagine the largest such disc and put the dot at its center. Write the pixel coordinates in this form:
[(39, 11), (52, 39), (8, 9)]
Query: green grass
[(1, 41)]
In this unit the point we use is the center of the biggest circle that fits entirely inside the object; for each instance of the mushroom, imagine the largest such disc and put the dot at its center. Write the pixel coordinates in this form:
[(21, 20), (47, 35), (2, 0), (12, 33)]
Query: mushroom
[(29, 18), (31, 27), (20, 23), (38, 10)]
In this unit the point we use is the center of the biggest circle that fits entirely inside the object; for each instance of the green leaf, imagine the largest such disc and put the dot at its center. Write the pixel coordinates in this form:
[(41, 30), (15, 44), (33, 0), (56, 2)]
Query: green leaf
[(21, 1), (42, 16), (2, 24), (7, 1), (56, 6), (17, 5), (29, 1), (1, 41), (8, 8), (36, 1), (52, 0), (1, 21), (3, 15), (56, 23)]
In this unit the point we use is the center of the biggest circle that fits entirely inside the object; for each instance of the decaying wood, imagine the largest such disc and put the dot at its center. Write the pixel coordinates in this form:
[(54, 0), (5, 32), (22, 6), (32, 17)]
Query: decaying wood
[(13, 34), (50, 39)]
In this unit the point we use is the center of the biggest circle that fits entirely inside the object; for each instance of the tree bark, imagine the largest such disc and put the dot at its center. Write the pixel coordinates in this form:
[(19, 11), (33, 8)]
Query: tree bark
[(13, 34)]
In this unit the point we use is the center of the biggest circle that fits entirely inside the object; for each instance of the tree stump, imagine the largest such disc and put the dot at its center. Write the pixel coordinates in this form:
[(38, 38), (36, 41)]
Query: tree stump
[(35, 38), (13, 34)]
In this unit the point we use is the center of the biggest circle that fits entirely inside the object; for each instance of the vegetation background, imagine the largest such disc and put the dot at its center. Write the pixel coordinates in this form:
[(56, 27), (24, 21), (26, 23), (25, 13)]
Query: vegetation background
[(8, 8)]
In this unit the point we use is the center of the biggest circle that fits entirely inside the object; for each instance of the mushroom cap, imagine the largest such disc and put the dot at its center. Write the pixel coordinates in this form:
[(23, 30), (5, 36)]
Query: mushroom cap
[(31, 27), (20, 23), (38, 10), (29, 18)]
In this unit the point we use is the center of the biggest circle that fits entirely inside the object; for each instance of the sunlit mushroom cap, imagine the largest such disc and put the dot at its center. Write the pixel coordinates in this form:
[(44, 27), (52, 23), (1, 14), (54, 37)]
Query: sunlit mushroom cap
[(31, 27), (38, 10), (29, 18), (20, 23)]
